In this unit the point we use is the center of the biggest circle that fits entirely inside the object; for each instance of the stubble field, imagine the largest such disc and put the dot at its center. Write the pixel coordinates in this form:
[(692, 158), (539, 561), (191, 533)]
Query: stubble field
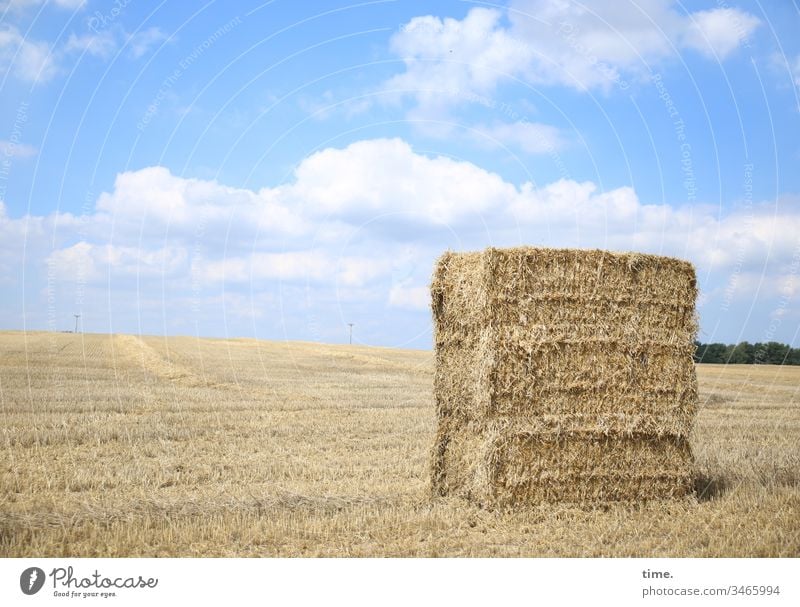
[(145, 446)]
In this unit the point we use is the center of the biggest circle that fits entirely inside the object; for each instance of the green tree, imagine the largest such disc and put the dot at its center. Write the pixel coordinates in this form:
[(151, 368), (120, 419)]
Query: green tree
[(769, 353), (714, 353), (777, 353), (742, 354), (759, 353)]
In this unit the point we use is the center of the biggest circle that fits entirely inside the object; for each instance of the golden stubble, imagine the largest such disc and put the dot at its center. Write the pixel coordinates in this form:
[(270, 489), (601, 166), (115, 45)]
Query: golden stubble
[(129, 446)]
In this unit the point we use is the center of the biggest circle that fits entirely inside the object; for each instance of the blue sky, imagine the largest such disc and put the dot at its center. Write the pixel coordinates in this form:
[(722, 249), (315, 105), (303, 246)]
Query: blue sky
[(280, 169)]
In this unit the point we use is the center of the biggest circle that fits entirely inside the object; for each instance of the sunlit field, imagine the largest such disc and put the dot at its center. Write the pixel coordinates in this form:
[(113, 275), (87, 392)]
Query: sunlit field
[(128, 446)]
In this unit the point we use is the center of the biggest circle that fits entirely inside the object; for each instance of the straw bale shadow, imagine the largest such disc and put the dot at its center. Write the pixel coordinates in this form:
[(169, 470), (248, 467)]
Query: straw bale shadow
[(708, 487)]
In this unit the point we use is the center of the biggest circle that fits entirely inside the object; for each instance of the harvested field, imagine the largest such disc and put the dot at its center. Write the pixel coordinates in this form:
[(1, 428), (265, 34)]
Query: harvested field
[(128, 446), (563, 375)]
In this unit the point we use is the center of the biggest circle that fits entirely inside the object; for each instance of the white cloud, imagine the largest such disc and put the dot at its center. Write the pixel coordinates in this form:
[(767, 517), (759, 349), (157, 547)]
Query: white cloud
[(446, 58), (530, 137), (87, 262), (141, 42), (21, 5), (785, 68), (719, 32), (779, 285), (153, 193), (413, 298), (588, 44), (102, 44), (569, 201), (316, 266), (583, 45), (73, 4), (10, 149), (32, 60), (384, 176), (28, 60), (157, 198), (393, 211), (105, 43), (280, 232)]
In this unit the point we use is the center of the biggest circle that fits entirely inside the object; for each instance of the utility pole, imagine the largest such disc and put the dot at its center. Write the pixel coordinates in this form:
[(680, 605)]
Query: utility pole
[(77, 316), (351, 332)]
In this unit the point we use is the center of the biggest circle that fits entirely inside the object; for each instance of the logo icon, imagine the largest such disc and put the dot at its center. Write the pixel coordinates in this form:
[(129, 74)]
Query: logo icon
[(31, 580)]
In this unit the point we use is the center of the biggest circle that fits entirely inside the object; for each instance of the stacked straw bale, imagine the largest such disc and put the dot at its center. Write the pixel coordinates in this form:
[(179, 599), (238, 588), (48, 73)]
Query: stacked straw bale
[(563, 376)]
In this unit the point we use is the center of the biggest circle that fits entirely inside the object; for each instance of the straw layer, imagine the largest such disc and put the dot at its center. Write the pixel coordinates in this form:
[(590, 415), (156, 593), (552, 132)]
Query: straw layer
[(548, 355)]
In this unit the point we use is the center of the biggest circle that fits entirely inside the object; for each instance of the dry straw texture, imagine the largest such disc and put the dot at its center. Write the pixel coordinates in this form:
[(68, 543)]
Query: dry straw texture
[(181, 446), (563, 375)]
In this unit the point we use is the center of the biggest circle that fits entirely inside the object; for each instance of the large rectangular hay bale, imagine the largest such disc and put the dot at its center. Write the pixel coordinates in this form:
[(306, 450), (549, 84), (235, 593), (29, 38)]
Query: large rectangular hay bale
[(563, 375)]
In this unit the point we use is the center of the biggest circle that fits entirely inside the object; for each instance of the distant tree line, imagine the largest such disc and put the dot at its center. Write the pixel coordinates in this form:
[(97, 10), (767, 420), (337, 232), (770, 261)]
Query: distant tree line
[(745, 353)]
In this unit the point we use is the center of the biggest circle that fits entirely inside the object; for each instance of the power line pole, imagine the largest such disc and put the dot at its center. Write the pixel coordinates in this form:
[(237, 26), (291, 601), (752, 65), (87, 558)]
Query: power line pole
[(77, 316), (351, 332)]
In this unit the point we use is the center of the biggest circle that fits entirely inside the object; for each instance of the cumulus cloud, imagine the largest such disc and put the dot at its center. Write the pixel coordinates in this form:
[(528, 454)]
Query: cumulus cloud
[(406, 296), (446, 58), (385, 176), (140, 43), (105, 43), (268, 231), (102, 44), (38, 61), (90, 262), (394, 211), (591, 44), (156, 198), (317, 266), (718, 32), (28, 60)]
